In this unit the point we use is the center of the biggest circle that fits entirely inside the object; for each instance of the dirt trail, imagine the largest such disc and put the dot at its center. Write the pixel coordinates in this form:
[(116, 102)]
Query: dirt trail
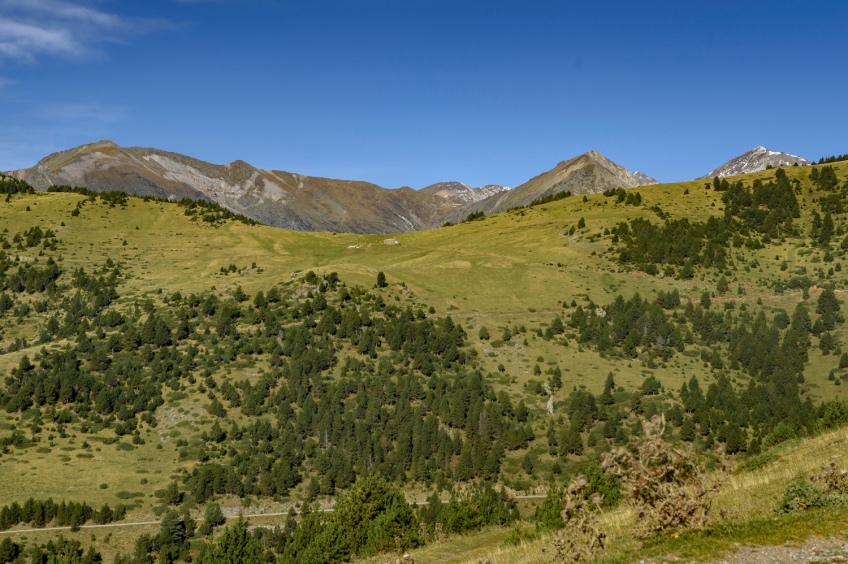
[(814, 549)]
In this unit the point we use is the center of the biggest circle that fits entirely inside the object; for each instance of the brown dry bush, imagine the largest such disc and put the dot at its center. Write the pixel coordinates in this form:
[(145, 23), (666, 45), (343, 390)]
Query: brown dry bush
[(667, 485), (832, 480), (581, 539)]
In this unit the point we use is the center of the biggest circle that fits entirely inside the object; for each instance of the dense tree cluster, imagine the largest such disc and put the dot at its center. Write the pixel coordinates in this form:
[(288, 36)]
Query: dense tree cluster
[(628, 326), (622, 196), (212, 212), (408, 401), (11, 186), (833, 159), (555, 197), (40, 513), (371, 517), (60, 550), (752, 216), (474, 216), (771, 355)]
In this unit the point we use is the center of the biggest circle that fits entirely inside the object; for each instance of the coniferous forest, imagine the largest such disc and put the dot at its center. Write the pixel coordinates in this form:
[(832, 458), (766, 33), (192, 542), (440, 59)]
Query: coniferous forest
[(340, 401)]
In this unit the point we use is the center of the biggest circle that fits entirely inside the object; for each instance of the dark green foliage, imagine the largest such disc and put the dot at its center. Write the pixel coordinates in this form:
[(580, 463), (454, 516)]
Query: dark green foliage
[(9, 550), (829, 309), (38, 513), (482, 506), (10, 186), (474, 216), (824, 178), (835, 415), (548, 515), (650, 386), (169, 545), (626, 325), (767, 209), (722, 286), (407, 406), (381, 280), (56, 551), (371, 517), (235, 546), (211, 212), (626, 197), (549, 198), (801, 495), (832, 159), (212, 517), (372, 514)]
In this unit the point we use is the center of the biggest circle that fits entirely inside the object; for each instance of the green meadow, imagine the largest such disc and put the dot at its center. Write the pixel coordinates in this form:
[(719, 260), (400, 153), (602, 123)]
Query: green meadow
[(517, 270)]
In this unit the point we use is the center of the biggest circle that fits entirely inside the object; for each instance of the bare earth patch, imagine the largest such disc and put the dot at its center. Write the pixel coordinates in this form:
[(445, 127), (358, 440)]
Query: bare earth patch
[(814, 549)]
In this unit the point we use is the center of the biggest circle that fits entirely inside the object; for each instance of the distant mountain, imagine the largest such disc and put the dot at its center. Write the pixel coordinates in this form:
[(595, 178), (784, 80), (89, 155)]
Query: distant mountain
[(462, 194), (277, 198), (755, 160), (308, 203), (590, 173)]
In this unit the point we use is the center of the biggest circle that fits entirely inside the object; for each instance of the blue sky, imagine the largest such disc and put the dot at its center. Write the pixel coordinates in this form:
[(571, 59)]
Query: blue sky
[(411, 92)]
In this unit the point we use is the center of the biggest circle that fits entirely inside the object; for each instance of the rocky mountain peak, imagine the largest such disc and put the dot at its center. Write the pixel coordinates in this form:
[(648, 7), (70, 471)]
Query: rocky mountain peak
[(757, 159)]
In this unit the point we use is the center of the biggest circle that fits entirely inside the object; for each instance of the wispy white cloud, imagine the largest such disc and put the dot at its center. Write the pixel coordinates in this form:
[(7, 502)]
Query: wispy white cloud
[(64, 10), (30, 29), (80, 112), (23, 41)]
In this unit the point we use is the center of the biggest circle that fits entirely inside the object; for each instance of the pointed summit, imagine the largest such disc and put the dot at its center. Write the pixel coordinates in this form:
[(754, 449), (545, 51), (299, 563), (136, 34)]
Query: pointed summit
[(589, 173), (755, 160)]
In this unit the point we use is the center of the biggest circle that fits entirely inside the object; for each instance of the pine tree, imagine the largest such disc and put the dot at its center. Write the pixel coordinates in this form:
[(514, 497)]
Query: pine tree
[(828, 307), (571, 442), (722, 287), (236, 546)]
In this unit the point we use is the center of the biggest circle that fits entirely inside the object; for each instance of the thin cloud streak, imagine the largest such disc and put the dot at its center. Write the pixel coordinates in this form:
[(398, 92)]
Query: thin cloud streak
[(23, 41), (30, 29), (58, 9)]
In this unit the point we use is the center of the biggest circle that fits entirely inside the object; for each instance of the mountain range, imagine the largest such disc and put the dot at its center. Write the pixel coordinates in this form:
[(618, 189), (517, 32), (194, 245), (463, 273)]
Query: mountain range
[(310, 203)]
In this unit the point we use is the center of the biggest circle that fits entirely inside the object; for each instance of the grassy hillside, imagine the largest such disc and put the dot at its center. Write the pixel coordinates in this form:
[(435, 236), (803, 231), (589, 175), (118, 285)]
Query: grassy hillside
[(749, 497), (520, 270)]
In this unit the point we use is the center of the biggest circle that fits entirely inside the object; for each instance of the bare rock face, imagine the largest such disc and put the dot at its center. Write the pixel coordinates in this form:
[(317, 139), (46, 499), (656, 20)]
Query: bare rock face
[(307, 203), (755, 160), (462, 194)]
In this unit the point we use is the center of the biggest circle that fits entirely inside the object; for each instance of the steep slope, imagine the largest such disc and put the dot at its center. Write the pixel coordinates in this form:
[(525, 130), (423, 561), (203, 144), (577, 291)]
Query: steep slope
[(277, 198), (590, 173), (755, 160)]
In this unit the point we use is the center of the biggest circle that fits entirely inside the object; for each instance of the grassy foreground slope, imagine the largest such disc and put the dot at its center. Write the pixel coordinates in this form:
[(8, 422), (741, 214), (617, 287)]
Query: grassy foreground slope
[(518, 270)]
